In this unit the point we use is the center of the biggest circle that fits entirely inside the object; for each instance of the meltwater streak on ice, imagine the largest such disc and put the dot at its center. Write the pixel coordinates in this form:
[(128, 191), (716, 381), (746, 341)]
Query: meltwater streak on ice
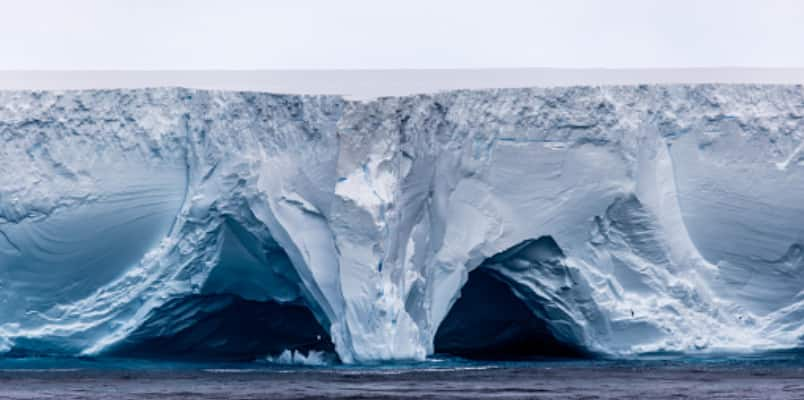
[(628, 219)]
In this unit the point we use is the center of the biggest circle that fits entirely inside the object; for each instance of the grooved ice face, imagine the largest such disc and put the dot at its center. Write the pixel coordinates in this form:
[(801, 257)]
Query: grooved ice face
[(617, 220)]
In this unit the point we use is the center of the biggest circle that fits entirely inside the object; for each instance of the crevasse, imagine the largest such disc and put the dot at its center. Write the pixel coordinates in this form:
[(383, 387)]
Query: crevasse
[(615, 220)]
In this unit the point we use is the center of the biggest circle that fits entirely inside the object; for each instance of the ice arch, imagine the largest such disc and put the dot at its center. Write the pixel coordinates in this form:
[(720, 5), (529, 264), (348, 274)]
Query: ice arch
[(251, 305), (497, 318)]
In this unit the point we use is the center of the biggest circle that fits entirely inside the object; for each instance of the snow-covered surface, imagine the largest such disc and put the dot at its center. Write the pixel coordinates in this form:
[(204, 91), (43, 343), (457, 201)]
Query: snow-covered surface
[(677, 211), (367, 84)]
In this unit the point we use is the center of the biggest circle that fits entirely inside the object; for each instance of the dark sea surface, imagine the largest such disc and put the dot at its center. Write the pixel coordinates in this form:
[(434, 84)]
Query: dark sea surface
[(767, 376)]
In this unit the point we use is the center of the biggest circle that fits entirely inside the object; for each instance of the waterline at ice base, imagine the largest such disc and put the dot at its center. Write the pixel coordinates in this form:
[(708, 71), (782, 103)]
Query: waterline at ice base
[(608, 221)]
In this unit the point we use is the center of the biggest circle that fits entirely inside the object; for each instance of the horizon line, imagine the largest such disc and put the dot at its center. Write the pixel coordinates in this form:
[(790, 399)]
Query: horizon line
[(373, 83)]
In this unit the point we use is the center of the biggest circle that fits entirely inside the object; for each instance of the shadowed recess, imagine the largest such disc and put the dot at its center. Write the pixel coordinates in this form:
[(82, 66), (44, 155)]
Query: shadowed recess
[(249, 307), (224, 327), (489, 322)]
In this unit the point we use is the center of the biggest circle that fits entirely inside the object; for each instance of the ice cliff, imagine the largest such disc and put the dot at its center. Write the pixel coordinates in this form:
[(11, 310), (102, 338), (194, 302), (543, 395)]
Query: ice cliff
[(615, 220)]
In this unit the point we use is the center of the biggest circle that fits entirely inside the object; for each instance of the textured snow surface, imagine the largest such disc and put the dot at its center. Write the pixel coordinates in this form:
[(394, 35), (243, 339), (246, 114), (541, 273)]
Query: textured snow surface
[(628, 219)]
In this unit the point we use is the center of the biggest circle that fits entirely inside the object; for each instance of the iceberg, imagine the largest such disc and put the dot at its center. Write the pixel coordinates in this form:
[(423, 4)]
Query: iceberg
[(612, 220)]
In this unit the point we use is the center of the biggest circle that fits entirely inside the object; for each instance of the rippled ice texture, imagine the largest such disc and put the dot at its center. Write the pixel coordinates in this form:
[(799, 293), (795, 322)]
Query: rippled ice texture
[(627, 219)]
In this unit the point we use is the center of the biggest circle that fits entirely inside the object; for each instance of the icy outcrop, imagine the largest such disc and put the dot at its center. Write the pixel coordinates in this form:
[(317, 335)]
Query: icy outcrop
[(626, 219)]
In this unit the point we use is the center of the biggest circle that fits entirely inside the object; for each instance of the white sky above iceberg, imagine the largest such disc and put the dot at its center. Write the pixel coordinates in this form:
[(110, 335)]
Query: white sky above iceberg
[(350, 34)]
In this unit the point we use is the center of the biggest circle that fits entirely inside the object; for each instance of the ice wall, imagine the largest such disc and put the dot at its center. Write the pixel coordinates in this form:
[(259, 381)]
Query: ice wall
[(674, 213)]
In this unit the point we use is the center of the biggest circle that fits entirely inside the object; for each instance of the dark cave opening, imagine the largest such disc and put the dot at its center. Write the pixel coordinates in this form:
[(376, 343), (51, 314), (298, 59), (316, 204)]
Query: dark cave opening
[(489, 322), (224, 328), (250, 306)]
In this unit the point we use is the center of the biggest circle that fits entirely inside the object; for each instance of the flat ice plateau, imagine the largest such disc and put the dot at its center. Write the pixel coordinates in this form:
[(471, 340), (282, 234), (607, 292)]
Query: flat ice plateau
[(623, 219)]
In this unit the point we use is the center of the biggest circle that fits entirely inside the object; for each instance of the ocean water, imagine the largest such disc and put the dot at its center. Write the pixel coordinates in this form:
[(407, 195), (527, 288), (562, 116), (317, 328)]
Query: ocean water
[(766, 376)]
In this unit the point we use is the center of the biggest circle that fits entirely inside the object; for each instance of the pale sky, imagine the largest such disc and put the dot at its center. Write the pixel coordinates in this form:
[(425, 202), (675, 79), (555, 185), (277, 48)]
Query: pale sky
[(357, 34)]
